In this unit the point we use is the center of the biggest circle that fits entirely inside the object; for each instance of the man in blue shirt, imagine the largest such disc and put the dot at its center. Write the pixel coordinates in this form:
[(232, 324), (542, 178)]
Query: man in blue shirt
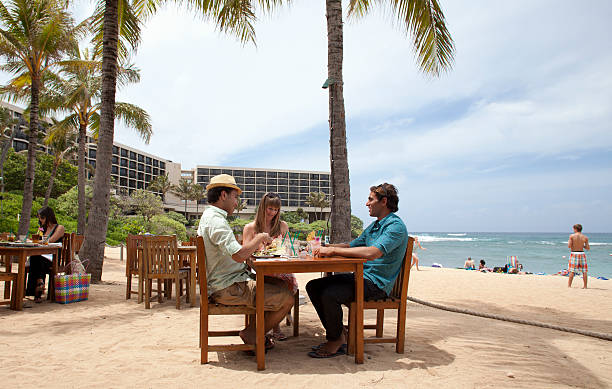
[(383, 243)]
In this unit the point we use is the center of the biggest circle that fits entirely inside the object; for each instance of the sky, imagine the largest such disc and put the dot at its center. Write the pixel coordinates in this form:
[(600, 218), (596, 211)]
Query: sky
[(516, 137)]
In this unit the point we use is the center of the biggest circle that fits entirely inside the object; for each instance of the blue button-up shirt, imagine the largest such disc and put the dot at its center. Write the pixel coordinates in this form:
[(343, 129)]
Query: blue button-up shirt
[(390, 236)]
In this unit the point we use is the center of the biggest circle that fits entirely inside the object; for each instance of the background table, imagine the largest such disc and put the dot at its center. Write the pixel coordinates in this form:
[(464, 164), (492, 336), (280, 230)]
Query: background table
[(306, 265), (23, 253)]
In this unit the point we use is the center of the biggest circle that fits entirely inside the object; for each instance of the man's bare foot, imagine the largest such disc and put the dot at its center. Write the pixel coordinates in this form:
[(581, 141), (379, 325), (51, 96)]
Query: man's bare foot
[(248, 337)]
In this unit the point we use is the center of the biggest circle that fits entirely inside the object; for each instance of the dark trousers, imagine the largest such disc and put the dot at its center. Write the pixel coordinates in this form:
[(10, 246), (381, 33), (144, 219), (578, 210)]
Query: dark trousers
[(39, 267), (328, 294)]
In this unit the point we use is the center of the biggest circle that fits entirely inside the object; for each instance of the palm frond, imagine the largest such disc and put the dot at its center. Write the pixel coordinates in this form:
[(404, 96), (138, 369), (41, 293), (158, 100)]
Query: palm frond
[(136, 118)]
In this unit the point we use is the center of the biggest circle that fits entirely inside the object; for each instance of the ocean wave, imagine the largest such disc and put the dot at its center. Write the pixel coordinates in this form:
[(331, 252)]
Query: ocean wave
[(547, 242), (456, 234), (444, 239), (600, 244)]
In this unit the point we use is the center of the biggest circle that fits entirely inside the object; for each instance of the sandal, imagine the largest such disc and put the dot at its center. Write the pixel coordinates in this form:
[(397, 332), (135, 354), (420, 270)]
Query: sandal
[(315, 348), (279, 336), (320, 353), (269, 345)]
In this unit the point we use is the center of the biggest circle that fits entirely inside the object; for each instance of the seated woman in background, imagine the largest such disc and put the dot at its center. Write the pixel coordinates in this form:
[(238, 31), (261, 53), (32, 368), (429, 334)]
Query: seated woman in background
[(469, 264), (40, 265), (482, 264), (268, 220)]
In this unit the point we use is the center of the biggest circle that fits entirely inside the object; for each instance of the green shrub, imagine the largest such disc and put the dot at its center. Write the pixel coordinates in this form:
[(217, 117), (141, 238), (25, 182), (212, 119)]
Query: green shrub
[(177, 216), (162, 225)]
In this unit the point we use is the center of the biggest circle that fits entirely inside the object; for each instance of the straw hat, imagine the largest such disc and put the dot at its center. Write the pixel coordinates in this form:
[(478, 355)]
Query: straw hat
[(224, 180)]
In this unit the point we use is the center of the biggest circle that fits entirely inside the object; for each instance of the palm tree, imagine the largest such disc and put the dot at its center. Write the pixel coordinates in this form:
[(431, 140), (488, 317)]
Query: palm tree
[(34, 35), (424, 21), (197, 194), (234, 17), (77, 90), (7, 124), (184, 191), (62, 145), (161, 184), (317, 200)]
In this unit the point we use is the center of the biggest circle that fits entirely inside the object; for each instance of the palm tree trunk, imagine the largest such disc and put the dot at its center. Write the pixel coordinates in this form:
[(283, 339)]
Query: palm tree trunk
[(81, 179), (95, 233), (5, 150), (341, 191), (28, 185), (50, 186)]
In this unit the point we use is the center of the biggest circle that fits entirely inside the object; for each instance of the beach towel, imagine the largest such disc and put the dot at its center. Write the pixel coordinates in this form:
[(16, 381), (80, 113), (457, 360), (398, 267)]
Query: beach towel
[(577, 262), (436, 265), (513, 262), (602, 278)]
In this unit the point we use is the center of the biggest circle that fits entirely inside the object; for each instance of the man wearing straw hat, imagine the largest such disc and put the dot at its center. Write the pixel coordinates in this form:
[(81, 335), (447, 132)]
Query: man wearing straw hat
[(383, 243), (229, 281)]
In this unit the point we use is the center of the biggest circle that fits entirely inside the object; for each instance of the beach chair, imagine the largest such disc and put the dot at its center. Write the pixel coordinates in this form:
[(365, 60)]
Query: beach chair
[(212, 309), (132, 266), (396, 300), (9, 280), (512, 263)]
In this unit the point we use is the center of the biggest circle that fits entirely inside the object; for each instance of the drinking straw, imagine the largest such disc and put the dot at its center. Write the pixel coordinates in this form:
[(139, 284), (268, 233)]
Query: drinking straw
[(284, 236)]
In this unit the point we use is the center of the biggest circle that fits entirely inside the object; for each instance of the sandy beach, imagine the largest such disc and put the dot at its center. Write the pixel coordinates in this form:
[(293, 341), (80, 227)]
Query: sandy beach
[(110, 342)]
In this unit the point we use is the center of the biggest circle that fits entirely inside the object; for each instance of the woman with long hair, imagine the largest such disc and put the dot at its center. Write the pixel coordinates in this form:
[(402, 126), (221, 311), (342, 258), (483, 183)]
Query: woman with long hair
[(268, 220), (40, 265)]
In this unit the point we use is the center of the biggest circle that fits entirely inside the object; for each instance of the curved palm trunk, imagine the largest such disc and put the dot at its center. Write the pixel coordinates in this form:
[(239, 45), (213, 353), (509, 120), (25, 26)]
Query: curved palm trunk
[(50, 186), (341, 191), (5, 150), (28, 185), (95, 233), (81, 179)]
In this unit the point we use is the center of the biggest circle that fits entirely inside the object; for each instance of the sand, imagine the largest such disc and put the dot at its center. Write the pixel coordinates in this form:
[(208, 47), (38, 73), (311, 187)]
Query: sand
[(111, 342)]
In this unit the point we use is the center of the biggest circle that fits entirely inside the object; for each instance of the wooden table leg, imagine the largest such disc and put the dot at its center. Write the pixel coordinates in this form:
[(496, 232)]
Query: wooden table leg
[(18, 304), (192, 285), (359, 313), (259, 328)]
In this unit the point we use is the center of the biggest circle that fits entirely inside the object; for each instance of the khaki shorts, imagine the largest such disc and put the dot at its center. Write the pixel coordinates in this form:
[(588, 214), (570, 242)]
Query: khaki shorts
[(243, 293)]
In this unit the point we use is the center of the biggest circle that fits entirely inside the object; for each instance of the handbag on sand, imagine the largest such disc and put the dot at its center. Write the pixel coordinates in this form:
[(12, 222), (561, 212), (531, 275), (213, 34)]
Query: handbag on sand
[(70, 288)]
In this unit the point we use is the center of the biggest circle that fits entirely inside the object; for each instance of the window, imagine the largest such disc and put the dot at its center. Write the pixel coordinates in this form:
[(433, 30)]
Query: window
[(132, 155), (140, 185), (293, 196), (324, 177), (284, 203), (141, 176), (238, 173), (214, 172), (148, 178), (282, 175), (155, 162), (304, 182), (248, 195), (293, 203), (282, 189), (303, 176), (123, 172), (325, 190), (115, 150), (148, 160), (314, 185), (249, 181), (114, 170), (249, 187), (271, 174), (227, 171), (124, 153), (303, 189), (92, 153), (293, 182), (132, 165), (132, 174), (314, 176), (239, 180), (203, 171), (249, 173), (282, 181), (162, 165), (261, 182), (124, 162), (155, 171), (140, 167), (271, 188), (162, 172), (271, 181), (259, 174), (115, 159), (92, 163), (123, 181), (250, 202), (148, 169), (140, 158), (132, 184), (294, 175)]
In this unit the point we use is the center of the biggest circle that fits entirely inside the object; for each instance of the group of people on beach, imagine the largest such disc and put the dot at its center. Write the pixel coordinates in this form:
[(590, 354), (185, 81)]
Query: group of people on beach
[(230, 282)]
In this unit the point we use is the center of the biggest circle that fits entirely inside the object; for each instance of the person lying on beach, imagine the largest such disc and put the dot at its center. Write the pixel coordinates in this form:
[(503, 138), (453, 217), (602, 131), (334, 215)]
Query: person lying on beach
[(383, 243), (268, 220), (482, 264), (229, 280), (469, 264), (415, 258)]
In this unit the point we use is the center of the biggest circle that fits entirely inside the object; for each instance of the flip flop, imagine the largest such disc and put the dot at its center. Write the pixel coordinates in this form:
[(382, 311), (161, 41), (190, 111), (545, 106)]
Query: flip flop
[(321, 354), (279, 336), (315, 348), (269, 345)]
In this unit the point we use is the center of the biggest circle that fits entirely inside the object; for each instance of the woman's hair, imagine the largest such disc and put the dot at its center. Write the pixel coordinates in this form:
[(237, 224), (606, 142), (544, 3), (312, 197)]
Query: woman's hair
[(273, 200), (390, 192), (49, 216)]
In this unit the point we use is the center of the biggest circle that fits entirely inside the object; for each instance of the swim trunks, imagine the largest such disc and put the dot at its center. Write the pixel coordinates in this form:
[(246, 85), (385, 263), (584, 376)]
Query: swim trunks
[(578, 262)]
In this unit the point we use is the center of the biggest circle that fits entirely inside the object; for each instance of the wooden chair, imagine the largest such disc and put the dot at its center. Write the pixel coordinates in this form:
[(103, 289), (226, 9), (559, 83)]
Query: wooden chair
[(60, 265), (5, 260), (76, 241), (209, 309), (396, 300), (161, 262), (9, 281), (132, 267)]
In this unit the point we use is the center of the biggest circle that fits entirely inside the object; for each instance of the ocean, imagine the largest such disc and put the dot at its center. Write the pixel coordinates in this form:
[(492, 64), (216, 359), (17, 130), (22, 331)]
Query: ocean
[(538, 252)]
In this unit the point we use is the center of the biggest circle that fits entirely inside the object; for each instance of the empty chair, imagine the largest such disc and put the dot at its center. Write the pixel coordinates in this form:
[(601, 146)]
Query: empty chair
[(161, 262), (133, 266), (396, 300)]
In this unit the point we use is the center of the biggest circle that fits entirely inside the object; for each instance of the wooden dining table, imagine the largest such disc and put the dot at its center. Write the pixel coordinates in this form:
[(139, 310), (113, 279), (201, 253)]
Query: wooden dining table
[(182, 250), (268, 266), (23, 252)]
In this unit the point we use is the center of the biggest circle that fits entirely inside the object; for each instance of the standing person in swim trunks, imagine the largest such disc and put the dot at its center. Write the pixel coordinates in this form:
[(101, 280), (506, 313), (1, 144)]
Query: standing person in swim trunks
[(577, 243)]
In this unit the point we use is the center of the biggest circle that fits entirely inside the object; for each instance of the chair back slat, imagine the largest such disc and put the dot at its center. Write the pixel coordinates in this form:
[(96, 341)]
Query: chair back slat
[(132, 242), (161, 255), (76, 241), (201, 259), (400, 288), (65, 255)]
